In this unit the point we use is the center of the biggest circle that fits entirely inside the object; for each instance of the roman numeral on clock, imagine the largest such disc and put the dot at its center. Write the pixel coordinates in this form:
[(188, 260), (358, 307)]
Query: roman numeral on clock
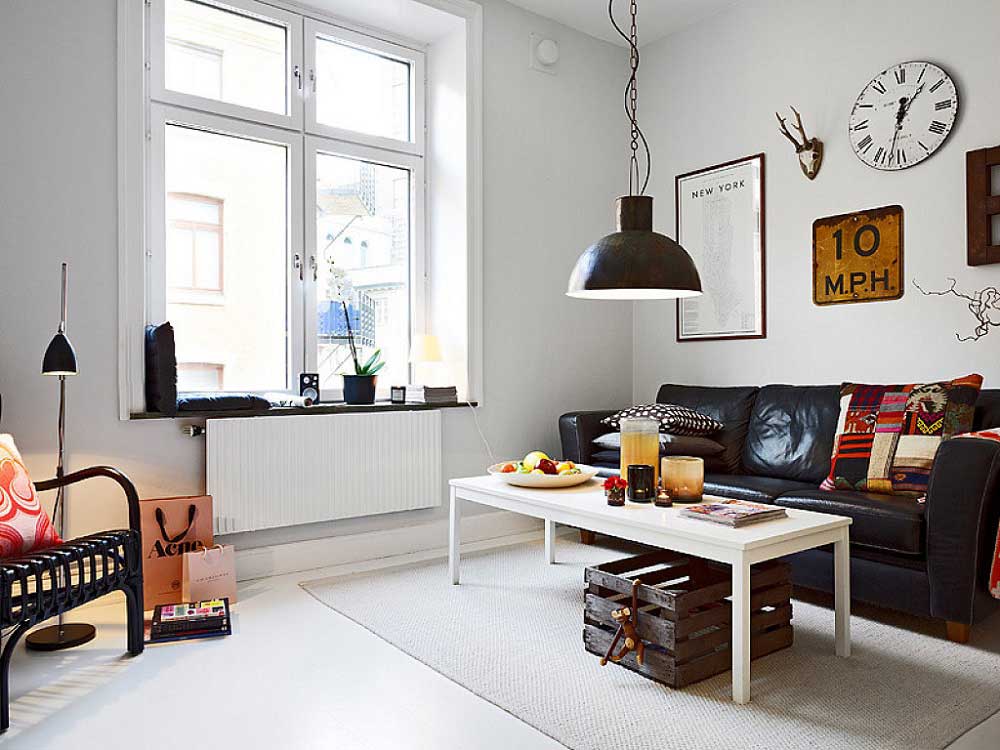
[(877, 85), (943, 105), (879, 154), (865, 143), (936, 86), (937, 127), (863, 125), (900, 74)]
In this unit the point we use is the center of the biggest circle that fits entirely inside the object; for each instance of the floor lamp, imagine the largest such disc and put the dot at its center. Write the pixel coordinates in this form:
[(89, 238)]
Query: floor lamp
[(60, 361)]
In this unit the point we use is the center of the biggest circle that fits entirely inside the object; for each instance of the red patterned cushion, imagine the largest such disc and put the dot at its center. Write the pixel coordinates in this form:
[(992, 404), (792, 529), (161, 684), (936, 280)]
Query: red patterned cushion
[(24, 524), (887, 435), (993, 434)]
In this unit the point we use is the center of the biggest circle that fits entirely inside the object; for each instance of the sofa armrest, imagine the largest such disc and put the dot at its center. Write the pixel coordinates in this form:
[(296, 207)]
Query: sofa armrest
[(577, 430), (963, 509)]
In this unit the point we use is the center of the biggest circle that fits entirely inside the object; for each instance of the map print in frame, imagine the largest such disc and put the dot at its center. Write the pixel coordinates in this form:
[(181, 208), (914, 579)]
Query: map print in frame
[(720, 222)]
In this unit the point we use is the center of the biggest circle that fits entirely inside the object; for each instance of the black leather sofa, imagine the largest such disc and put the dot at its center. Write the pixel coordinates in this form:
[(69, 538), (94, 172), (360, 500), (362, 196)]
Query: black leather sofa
[(931, 559)]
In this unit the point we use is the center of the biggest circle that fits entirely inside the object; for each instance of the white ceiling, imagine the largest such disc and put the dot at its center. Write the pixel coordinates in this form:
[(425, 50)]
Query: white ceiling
[(657, 18)]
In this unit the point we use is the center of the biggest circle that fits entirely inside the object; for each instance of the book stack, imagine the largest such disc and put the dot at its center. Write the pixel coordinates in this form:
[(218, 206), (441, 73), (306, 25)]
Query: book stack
[(425, 394), (178, 622), (735, 513)]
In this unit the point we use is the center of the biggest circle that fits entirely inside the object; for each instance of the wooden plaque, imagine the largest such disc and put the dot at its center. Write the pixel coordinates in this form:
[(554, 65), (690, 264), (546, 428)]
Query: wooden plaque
[(858, 257)]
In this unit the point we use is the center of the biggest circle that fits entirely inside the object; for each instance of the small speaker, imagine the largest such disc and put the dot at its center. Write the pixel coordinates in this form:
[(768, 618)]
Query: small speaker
[(309, 386)]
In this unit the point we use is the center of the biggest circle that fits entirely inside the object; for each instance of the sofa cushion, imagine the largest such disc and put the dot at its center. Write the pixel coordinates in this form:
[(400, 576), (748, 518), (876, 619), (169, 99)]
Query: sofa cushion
[(881, 522), (791, 432), (673, 419), (755, 489), (887, 435), (731, 406), (613, 458), (670, 445)]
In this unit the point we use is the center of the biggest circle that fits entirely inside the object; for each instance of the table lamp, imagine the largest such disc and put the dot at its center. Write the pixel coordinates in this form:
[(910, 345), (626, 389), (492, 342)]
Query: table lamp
[(424, 349), (60, 361)]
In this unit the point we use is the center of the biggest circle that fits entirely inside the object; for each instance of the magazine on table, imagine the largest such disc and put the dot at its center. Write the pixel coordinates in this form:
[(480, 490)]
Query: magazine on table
[(734, 513)]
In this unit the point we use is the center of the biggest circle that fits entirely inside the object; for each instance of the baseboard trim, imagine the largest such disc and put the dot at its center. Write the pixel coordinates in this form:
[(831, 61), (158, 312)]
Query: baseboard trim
[(377, 549)]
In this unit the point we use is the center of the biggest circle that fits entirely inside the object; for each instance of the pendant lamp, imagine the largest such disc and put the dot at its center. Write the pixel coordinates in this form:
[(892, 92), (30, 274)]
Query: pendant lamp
[(634, 263)]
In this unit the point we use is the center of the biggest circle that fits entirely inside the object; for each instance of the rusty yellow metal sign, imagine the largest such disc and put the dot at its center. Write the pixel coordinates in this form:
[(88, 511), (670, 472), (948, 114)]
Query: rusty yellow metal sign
[(858, 257)]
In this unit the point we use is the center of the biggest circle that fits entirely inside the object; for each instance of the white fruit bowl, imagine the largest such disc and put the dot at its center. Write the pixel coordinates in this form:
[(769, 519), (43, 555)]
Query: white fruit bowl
[(544, 481)]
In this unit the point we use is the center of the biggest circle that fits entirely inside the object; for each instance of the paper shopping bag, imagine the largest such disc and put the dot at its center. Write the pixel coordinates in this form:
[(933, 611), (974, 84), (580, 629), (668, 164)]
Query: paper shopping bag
[(171, 526), (210, 574)]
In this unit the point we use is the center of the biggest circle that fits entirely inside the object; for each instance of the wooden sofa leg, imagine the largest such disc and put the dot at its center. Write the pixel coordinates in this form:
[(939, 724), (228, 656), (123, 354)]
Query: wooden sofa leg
[(958, 632), (587, 537)]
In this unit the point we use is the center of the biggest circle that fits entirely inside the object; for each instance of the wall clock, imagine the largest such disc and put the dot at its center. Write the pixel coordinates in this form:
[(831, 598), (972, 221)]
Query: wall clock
[(903, 115)]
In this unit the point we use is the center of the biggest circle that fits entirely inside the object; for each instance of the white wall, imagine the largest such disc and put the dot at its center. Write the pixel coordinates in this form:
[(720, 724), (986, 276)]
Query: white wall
[(550, 148), (708, 95)]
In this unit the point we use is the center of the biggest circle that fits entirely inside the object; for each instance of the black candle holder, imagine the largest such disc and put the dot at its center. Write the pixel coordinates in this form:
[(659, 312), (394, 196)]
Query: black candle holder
[(641, 483)]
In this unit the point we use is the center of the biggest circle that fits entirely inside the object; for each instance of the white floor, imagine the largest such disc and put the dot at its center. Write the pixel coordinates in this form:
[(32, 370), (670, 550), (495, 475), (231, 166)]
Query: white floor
[(295, 674)]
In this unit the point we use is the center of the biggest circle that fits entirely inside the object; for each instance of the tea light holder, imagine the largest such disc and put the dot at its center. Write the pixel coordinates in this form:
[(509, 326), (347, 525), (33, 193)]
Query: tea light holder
[(641, 483), (683, 478)]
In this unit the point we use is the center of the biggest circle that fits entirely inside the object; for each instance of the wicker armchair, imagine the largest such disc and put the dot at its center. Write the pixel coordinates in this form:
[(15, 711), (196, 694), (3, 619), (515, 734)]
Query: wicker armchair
[(90, 567)]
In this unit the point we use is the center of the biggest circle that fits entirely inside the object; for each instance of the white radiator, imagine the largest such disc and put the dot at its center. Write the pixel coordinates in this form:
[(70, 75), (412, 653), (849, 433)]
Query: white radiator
[(265, 472)]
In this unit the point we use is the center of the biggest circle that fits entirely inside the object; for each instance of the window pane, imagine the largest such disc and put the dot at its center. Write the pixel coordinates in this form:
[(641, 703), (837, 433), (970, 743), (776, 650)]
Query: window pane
[(206, 260), (363, 235), (362, 91), (222, 55), (193, 208), (180, 264), (199, 376), (247, 333)]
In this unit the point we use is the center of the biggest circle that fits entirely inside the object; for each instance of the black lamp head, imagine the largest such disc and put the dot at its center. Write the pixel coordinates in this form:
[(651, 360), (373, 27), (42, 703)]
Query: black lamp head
[(634, 263), (60, 358)]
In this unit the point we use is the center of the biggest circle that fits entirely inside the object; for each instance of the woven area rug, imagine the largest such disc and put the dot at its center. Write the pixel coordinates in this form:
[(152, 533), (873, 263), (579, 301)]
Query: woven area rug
[(511, 633)]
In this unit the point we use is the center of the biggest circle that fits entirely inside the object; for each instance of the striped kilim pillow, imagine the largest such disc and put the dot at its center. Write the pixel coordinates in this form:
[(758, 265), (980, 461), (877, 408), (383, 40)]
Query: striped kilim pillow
[(887, 435)]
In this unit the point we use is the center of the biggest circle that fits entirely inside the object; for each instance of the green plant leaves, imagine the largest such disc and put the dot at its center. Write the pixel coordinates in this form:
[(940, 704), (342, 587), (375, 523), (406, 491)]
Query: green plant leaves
[(372, 365)]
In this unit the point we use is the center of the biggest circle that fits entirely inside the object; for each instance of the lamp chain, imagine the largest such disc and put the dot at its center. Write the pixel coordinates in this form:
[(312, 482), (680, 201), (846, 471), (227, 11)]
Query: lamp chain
[(635, 176)]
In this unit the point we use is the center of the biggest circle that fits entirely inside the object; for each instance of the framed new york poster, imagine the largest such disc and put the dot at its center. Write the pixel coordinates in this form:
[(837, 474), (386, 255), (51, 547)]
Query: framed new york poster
[(720, 222)]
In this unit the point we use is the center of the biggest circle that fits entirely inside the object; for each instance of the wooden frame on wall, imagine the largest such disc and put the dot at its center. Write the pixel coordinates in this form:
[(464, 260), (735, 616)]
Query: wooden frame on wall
[(734, 268)]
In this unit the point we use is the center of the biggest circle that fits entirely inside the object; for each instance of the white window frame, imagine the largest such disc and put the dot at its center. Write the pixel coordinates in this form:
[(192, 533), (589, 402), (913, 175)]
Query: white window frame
[(366, 43), (134, 93), (418, 239), (252, 9), (162, 115)]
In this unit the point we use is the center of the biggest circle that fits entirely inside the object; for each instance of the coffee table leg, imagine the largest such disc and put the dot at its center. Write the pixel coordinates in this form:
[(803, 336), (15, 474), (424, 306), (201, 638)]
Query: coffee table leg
[(741, 631), (842, 593), (550, 541), (454, 537)]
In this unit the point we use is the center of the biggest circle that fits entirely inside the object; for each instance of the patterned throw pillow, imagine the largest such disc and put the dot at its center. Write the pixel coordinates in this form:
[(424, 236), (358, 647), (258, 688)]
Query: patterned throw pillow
[(675, 420), (24, 524), (887, 435)]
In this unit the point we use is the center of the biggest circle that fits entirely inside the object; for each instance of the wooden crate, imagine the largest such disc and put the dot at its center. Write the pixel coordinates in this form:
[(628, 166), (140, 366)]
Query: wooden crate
[(684, 617)]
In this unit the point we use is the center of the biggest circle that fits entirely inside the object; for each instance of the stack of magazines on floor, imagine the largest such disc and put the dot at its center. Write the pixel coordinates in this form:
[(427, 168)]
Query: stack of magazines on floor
[(425, 394), (179, 622), (734, 513)]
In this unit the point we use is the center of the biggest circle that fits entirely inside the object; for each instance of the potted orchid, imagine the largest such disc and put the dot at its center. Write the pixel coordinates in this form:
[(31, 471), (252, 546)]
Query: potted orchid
[(359, 386)]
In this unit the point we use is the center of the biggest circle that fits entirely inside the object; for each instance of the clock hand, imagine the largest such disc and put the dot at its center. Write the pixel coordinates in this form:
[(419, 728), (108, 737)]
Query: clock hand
[(905, 110)]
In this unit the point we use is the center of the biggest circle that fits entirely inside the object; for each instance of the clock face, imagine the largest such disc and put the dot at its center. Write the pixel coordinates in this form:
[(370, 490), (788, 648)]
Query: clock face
[(903, 115)]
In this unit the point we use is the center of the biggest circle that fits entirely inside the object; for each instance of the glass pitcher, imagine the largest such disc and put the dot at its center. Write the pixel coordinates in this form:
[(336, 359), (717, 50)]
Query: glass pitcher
[(640, 445)]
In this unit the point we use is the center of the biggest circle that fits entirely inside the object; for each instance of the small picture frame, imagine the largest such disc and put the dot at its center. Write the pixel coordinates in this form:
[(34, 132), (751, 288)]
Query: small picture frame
[(397, 394)]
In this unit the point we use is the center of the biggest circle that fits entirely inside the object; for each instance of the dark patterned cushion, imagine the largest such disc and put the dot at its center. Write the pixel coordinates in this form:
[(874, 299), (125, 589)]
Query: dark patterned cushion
[(676, 420), (887, 435)]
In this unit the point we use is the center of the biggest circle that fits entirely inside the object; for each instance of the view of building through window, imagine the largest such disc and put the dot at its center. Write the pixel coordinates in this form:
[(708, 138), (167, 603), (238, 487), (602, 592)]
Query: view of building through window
[(243, 323), (243, 290), (363, 238)]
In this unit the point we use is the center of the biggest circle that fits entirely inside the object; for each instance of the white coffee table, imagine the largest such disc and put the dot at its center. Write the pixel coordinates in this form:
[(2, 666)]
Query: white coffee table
[(585, 507)]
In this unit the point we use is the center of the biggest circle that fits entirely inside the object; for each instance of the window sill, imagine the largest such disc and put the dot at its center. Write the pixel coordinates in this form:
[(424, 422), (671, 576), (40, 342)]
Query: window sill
[(287, 411)]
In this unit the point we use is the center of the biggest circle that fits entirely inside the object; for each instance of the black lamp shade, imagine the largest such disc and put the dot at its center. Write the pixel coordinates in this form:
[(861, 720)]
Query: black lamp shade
[(59, 359), (634, 263)]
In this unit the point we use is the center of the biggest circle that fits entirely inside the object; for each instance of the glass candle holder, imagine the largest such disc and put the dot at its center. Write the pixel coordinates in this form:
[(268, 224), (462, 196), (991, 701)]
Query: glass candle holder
[(641, 484), (640, 445), (684, 478)]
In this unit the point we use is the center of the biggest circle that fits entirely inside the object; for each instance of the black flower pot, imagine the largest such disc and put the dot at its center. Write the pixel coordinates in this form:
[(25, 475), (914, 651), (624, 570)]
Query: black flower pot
[(359, 389)]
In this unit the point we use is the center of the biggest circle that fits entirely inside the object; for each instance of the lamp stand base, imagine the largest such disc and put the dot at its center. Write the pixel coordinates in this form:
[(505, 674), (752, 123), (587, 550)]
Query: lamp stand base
[(57, 637)]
